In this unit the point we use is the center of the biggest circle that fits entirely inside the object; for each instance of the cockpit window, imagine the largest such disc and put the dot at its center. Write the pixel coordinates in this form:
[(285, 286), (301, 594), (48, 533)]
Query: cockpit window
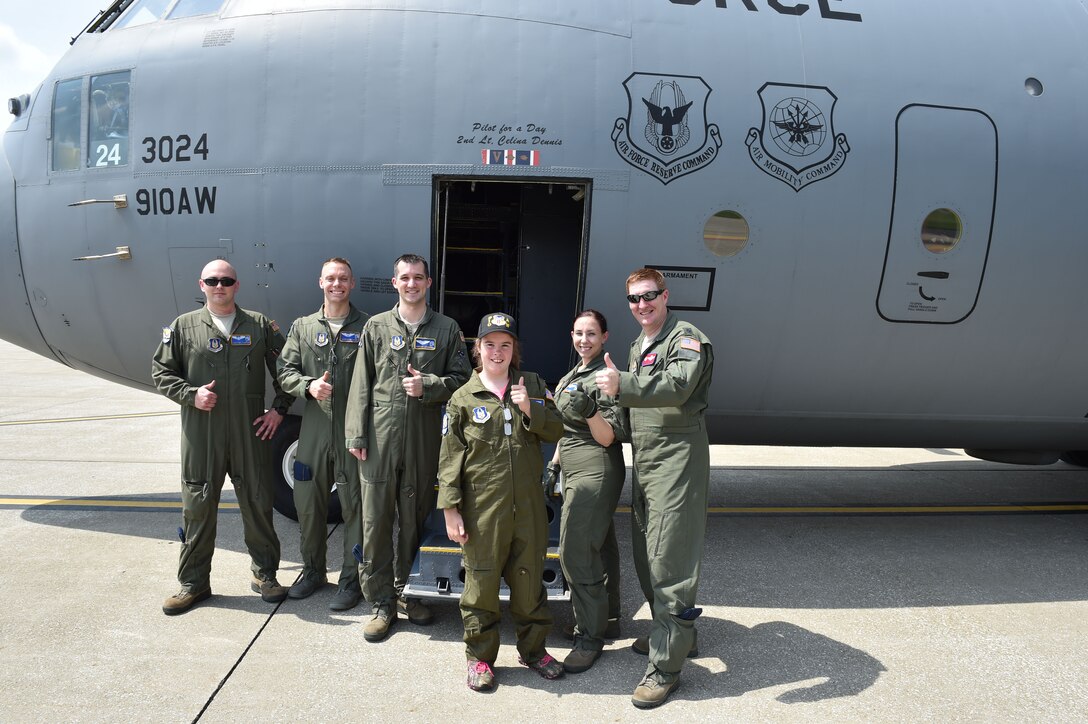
[(189, 8), (107, 122), (66, 113), (142, 12)]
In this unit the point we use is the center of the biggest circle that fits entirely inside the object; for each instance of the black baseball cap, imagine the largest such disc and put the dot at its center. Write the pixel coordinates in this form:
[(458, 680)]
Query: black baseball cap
[(498, 322)]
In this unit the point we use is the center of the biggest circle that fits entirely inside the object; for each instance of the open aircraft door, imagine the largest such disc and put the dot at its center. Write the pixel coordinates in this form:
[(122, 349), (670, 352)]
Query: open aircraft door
[(515, 246)]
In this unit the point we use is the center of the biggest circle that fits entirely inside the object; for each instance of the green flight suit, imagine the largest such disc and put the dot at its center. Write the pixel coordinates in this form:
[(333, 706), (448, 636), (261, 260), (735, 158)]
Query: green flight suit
[(592, 482), (311, 350), (223, 440), (666, 391), (494, 478), (401, 436)]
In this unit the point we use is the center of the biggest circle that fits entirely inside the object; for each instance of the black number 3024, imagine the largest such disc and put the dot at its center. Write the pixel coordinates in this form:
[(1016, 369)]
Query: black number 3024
[(174, 148)]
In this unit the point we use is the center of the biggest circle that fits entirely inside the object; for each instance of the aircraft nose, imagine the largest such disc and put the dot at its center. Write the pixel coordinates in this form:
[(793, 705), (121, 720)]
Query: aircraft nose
[(17, 324)]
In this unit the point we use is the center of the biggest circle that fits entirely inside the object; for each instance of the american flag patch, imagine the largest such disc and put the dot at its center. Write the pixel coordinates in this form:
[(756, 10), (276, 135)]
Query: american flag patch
[(691, 343)]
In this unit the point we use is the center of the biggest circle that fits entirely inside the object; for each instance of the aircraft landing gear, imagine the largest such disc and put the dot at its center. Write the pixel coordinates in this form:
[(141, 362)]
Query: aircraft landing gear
[(284, 445)]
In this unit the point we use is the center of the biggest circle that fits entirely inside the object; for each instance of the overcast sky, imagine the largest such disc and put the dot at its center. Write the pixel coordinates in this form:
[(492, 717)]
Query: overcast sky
[(33, 37)]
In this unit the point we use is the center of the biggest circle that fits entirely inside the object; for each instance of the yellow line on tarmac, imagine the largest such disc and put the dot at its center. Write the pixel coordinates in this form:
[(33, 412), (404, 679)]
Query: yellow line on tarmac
[(89, 419), (892, 509)]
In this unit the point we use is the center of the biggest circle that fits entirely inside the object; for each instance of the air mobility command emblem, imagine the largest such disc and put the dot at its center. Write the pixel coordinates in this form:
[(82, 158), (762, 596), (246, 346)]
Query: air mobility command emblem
[(397, 342), (797, 144), (215, 344), (665, 132), (321, 339), (480, 414)]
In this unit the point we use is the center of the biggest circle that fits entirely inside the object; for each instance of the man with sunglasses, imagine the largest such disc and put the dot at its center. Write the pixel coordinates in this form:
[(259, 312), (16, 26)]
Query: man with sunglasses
[(317, 365), (212, 362), (665, 391)]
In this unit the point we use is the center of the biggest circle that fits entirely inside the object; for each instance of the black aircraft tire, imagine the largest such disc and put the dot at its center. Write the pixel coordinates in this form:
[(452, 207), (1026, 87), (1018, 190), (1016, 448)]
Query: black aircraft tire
[(284, 444), (1076, 457)]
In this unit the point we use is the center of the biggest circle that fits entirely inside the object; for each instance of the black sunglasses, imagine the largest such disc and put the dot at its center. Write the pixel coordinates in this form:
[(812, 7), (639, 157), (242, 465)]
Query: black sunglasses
[(215, 281), (645, 296)]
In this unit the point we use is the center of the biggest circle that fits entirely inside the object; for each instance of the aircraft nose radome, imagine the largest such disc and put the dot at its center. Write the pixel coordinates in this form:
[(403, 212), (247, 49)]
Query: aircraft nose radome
[(17, 324)]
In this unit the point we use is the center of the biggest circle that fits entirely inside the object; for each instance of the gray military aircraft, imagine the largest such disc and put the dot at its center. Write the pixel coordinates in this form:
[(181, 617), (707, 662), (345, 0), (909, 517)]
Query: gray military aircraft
[(870, 207)]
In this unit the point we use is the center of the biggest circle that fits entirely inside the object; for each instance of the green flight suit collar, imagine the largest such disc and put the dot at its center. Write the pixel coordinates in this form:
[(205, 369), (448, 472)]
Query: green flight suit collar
[(240, 315), (671, 320), (353, 314), (422, 320)]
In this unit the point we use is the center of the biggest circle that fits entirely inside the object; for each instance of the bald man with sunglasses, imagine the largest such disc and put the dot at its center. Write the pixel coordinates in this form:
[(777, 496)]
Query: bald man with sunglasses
[(212, 362)]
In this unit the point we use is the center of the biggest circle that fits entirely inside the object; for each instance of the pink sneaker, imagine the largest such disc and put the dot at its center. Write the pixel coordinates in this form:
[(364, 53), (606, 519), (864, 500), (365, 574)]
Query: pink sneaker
[(480, 676), (546, 666)]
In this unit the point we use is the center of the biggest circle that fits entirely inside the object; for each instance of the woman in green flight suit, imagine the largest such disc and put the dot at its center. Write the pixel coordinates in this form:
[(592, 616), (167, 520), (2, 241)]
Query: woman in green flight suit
[(593, 473)]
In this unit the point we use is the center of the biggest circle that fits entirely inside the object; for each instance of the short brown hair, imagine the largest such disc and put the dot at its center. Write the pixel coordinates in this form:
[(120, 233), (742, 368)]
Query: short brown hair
[(338, 260), (647, 274)]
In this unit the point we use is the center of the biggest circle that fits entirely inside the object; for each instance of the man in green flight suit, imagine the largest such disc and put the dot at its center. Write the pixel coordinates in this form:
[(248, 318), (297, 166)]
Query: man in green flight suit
[(212, 362), (317, 364), (666, 391), (410, 360)]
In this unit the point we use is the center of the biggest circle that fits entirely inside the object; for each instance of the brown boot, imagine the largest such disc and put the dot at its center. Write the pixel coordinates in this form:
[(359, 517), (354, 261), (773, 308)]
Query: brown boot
[(378, 627), (653, 691), (271, 591), (183, 600)]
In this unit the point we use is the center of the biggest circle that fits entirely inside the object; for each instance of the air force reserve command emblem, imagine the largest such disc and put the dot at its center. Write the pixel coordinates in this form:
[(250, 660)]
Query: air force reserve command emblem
[(797, 143), (666, 133)]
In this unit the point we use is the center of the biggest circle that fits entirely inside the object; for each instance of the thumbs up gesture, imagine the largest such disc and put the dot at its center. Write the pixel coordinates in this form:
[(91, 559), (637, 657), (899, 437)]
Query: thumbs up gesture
[(321, 389), (205, 398), (520, 396), (608, 379), (413, 383)]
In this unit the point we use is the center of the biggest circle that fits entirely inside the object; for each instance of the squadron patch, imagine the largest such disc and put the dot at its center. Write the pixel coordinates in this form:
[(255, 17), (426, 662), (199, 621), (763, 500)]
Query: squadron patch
[(396, 342), (215, 344), (349, 337), (797, 143), (275, 327), (167, 333), (321, 339), (241, 340), (425, 343), (480, 414), (445, 424), (648, 360)]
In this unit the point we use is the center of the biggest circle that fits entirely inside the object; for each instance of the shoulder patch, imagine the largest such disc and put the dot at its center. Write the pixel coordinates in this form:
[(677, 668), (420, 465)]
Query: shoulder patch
[(275, 327), (167, 334), (445, 424)]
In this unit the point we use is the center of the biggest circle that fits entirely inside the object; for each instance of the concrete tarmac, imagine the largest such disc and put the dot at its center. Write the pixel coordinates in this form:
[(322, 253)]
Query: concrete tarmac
[(838, 585)]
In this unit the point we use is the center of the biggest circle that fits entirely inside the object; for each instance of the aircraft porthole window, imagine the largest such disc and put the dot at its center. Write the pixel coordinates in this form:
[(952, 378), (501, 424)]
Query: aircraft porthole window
[(725, 233), (941, 231), (1033, 86)]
